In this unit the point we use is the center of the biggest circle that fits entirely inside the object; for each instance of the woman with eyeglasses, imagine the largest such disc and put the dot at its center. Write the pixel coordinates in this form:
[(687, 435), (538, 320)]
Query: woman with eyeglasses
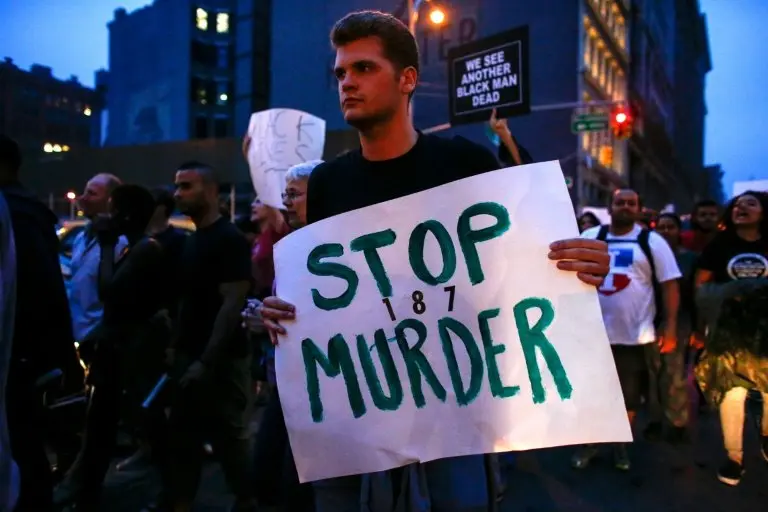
[(732, 295), (277, 480)]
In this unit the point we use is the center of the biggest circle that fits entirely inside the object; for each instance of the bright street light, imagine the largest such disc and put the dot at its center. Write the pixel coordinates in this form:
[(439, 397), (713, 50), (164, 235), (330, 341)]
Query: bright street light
[(56, 148), (437, 16), (71, 196), (87, 111), (48, 147)]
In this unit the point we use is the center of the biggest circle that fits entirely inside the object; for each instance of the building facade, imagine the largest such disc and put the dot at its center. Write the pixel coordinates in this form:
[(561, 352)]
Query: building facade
[(47, 116), (711, 187), (302, 64), (655, 170), (670, 60), (692, 63), (604, 65), (194, 81), (228, 58)]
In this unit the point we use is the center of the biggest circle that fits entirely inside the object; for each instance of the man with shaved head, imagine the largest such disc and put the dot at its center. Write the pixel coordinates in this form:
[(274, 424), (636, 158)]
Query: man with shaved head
[(84, 302), (210, 351), (86, 253)]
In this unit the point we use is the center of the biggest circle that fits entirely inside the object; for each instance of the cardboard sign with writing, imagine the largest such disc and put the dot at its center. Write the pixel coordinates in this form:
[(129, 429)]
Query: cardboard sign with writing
[(489, 73), (435, 326), (280, 139)]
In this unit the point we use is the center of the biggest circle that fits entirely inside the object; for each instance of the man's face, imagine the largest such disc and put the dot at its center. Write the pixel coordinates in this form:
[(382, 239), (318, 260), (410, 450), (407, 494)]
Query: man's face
[(191, 192), (625, 207), (95, 198), (370, 88), (707, 218)]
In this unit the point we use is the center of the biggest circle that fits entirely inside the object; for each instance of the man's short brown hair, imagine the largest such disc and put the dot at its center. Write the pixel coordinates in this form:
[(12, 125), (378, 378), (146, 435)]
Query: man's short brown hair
[(399, 45)]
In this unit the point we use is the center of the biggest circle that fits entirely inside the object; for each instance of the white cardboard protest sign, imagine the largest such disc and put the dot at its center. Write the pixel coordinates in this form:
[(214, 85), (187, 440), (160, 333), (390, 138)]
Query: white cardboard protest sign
[(280, 139), (435, 326)]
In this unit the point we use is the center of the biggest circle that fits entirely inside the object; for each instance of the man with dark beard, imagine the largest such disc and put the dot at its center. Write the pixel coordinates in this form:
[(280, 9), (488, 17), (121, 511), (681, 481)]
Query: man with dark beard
[(643, 282), (704, 222), (210, 352)]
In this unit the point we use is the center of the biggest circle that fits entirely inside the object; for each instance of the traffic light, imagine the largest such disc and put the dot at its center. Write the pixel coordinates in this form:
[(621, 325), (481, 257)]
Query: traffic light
[(621, 122)]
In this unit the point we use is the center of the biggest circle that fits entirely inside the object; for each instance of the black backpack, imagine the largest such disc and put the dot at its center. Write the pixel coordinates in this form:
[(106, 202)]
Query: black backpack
[(643, 241)]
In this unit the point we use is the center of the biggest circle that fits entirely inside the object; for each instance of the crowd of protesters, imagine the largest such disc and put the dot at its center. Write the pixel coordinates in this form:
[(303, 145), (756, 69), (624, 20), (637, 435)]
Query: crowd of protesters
[(169, 333)]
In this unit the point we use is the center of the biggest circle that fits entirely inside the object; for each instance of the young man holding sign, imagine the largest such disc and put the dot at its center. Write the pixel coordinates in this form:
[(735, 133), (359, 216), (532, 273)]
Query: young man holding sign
[(377, 68)]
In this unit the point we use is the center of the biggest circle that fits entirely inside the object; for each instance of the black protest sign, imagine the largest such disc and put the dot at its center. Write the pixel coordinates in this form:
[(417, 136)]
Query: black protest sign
[(489, 73)]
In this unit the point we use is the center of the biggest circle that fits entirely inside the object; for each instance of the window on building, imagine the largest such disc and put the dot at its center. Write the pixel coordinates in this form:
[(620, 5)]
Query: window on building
[(603, 67), (199, 91), (620, 31), (610, 19), (611, 76), (201, 19), (587, 45), (222, 57), (595, 60), (220, 127), (204, 54), (222, 22), (619, 93), (222, 93), (201, 127)]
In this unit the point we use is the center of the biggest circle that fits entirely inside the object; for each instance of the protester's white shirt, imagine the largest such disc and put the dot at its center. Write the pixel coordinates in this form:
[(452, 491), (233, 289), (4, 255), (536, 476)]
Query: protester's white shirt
[(626, 295)]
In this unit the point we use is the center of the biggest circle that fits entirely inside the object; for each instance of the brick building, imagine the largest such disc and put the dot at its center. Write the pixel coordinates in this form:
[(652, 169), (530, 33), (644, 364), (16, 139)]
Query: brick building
[(47, 116)]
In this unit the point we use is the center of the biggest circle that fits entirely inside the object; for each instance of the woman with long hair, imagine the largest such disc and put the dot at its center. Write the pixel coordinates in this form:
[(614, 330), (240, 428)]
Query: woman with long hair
[(272, 227), (732, 296), (587, 220)]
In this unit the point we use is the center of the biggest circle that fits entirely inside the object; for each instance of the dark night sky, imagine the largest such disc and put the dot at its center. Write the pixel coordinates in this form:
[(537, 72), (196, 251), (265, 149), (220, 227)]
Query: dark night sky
[(71, 37)]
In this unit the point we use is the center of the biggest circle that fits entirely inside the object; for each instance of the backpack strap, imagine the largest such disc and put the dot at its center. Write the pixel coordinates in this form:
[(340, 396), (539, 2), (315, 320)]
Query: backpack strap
[(602, 235), (643, 240)]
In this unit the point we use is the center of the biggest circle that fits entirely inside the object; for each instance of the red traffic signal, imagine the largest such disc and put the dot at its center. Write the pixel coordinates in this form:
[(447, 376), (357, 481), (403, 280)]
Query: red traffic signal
[(621, 122)]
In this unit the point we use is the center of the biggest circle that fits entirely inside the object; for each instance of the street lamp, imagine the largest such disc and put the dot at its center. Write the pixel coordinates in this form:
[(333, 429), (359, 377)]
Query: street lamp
[(436, 17), (71, 196), (436, 14)]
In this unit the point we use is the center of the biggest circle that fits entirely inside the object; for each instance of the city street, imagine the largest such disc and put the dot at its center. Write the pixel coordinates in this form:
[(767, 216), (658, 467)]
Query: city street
[(662, 479)]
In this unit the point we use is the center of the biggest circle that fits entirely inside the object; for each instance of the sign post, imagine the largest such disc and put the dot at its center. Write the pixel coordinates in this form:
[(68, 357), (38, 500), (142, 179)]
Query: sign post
[(489, 73)]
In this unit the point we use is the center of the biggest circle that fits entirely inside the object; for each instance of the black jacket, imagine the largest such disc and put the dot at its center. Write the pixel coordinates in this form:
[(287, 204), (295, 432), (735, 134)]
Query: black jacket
[(43, 337)]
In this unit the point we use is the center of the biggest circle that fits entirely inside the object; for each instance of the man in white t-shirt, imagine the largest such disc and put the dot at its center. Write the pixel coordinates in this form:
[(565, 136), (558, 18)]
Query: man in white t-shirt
[(642, 282)]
